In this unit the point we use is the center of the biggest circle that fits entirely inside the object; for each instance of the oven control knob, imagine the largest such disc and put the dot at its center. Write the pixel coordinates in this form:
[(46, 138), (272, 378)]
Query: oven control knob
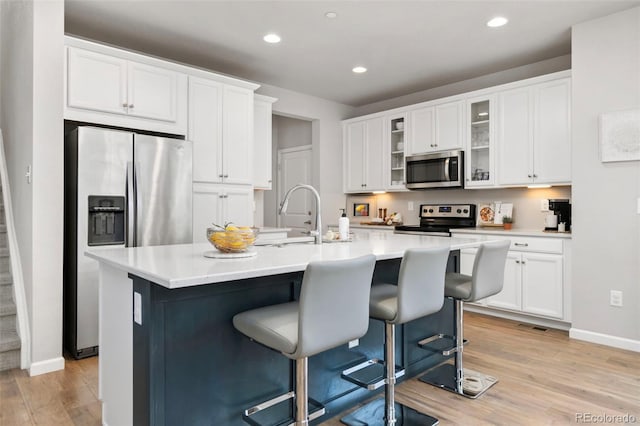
[(430, 210), (459, 211), (465, 211)]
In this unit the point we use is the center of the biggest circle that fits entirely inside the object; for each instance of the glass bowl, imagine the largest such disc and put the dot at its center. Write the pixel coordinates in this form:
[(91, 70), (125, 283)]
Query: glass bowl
[(232, 239)]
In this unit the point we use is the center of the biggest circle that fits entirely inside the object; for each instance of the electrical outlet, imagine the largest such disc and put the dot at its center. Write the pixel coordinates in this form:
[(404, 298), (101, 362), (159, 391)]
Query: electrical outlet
[(354, 343), (544, 205), (137, 307), (615, 298), (410, 206)]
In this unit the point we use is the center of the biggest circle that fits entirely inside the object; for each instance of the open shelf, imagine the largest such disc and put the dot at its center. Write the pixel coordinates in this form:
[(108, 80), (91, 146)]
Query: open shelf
[(474, 148), (475, 123)]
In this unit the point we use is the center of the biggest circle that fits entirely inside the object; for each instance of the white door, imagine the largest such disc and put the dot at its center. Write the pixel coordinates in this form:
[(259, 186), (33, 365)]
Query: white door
[(515, 148), (542, 284), (552, 134), (354, 157), (511, 295), (449, 128), (374, 160), (153, 92), (237, 206), (205, 129), (207, 206), (97, 82), (294, 167), (422, 131), (237, 135)]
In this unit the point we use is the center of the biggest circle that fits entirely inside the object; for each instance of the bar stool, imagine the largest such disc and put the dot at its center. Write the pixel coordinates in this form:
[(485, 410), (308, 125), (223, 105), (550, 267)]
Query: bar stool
[(420, 292), (486, 280), (333, 309)]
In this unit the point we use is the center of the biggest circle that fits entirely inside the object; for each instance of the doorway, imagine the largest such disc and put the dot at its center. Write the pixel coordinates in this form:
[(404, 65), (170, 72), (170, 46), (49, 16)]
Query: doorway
[(292, 164)]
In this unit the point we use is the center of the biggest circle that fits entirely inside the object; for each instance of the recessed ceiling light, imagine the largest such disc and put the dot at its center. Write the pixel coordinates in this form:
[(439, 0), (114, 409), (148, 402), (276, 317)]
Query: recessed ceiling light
[(359, 70), (498, 21), (331, 15), (272, 38)]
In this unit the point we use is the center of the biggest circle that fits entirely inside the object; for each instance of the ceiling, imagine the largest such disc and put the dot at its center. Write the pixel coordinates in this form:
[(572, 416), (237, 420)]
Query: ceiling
[(407, 46)]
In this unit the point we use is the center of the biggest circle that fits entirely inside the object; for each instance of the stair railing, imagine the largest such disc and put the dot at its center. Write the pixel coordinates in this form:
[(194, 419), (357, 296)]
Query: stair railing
[(16, 265)]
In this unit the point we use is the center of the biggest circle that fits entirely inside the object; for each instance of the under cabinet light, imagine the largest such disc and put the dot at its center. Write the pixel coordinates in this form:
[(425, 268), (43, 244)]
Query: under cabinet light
[(498, 21), (379, 192), (359, 69), (272, 38), (539, 185)]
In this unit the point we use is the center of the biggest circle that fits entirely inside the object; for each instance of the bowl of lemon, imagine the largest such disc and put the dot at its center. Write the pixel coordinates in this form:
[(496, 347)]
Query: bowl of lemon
[(231, 238)]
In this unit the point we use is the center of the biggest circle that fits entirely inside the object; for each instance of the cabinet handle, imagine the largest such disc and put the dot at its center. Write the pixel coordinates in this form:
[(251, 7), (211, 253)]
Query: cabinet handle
[(124, 105), (269, 181), (220, 176), (130, 105), (523, 262), (530, 176), (517, 261), (535, 175), (521, 244), (226, 176)]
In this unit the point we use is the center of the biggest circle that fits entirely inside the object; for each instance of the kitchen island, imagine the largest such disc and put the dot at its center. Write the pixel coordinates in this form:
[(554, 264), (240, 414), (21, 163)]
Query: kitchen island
[(169, 353)]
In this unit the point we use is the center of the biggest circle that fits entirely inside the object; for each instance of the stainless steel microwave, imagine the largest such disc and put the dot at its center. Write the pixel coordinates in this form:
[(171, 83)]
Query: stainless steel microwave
[(443, 169)]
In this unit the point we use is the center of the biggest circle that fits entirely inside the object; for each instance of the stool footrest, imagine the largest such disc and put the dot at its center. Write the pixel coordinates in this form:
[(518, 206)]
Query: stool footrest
[(316, 409), (425, 344), (369, 374)]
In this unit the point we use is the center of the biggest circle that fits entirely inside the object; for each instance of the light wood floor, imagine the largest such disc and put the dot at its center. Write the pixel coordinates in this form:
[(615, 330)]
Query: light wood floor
[(545, 378)]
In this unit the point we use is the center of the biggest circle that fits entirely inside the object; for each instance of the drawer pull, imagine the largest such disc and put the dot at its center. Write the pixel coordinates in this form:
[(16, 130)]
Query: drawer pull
[(521, 244)]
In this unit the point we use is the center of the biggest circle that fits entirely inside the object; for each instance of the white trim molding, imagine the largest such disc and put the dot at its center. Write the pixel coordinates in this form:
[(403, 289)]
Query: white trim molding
[(46, 366), (605, 339)]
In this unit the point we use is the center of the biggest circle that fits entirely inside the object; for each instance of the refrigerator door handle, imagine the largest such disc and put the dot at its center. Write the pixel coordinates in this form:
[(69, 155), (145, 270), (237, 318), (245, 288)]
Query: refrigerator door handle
[(131, 206)]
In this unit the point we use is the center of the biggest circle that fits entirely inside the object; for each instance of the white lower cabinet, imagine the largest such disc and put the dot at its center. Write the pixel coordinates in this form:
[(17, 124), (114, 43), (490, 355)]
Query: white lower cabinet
[(220, 204), (533, 277)]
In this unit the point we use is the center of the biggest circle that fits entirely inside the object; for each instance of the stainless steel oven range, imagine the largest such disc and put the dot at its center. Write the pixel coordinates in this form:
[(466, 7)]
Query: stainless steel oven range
[(439, 219)]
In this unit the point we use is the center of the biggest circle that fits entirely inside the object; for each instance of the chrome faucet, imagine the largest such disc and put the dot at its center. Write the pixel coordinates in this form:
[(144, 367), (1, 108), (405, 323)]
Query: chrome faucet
[(285, 203)]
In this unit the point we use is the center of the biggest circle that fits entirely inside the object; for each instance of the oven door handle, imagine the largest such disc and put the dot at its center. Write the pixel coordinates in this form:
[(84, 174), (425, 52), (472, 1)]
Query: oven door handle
[(447, 176)]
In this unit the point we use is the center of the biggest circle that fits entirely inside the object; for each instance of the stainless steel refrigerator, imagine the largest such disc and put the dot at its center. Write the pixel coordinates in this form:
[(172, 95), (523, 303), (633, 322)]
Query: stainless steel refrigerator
[(122, 189)]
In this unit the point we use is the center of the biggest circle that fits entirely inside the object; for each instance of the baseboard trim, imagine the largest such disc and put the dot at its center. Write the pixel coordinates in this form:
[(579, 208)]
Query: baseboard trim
[(47, 366), (520, 317), (605, 339)]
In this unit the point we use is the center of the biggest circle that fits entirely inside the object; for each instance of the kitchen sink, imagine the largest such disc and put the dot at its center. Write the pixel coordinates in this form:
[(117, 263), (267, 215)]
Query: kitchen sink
[(283, 241)]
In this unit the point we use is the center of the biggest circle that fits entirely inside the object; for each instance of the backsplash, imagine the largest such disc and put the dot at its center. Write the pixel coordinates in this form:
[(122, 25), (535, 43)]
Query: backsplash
[(526, 202)]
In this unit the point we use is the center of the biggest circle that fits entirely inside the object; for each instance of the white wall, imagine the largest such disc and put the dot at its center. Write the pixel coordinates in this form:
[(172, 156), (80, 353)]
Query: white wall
[(548, 66), (606, 78), (326, 135), (32, 88)]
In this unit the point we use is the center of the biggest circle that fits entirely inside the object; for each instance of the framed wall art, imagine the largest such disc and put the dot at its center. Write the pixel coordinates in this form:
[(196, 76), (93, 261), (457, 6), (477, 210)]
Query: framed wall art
[(361, 209), (620, 136)]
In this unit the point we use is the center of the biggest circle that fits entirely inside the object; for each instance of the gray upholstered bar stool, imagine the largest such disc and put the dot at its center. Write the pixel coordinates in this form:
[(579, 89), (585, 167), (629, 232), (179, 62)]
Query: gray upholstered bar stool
[(420, 292), (333, 309), (486, 280)]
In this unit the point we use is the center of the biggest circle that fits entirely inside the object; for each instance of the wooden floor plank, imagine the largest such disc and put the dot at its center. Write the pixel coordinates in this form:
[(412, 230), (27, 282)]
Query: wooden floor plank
[(544, 378)]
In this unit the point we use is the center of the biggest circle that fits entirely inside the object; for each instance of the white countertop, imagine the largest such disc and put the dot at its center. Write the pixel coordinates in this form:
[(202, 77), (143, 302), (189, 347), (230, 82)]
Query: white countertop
[(520, 232), (184, 265)]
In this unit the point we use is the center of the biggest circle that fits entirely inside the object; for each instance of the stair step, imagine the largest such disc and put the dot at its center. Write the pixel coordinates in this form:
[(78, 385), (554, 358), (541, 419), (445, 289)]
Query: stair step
[(7, 323), (7, 306), (6, 293), (9, 340), (10, 360), (5, 279)]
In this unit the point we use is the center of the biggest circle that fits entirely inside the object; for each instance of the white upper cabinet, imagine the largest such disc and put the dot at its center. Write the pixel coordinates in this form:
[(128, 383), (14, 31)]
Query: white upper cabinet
[(237, 134), (436, 128), (97, 84), (262, 144), (221, 129), (479, 152), (449, 126), (363, 156), (96, 81), (152, 92), (535, 134), (205, 129), (422, 131), (552, 132)]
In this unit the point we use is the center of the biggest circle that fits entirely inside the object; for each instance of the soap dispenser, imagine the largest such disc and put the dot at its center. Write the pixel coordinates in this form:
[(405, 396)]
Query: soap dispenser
[(343, 225)]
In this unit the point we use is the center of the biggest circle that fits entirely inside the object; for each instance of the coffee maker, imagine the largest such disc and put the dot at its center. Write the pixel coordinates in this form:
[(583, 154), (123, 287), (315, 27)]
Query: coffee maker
[(562, 210)]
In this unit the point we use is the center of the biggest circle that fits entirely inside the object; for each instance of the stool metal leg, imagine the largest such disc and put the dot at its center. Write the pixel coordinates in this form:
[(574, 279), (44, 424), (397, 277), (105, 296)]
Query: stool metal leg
[(459, 345), (302, 405), (390, 374)]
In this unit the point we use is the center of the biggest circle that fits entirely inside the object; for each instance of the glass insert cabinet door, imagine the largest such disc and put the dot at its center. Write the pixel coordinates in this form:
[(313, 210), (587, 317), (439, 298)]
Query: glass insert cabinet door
[(396, 131), (480, 149)]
